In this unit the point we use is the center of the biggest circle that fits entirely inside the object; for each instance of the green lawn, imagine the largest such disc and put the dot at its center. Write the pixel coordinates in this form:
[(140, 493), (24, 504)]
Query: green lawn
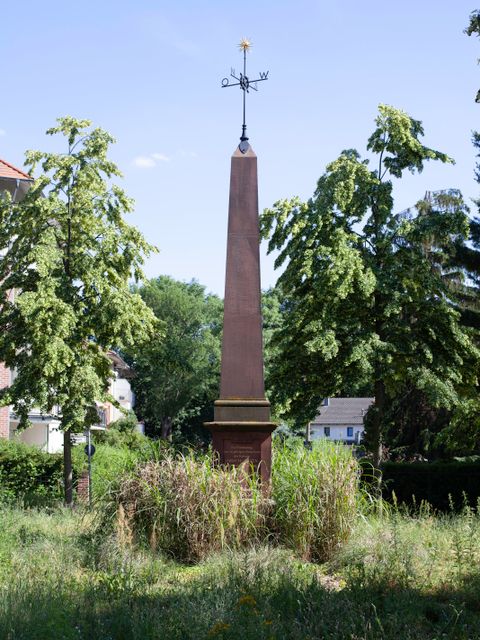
[(399, 577)]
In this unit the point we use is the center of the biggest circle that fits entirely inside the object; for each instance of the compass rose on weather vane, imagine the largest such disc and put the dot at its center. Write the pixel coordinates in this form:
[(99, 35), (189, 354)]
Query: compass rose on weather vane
[(245, 85)]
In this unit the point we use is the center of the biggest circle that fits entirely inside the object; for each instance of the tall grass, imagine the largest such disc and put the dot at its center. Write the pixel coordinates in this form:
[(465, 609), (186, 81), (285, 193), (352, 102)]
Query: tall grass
[(399, 576), (315, 497), (189, 507), (414, 548), (112, 461)]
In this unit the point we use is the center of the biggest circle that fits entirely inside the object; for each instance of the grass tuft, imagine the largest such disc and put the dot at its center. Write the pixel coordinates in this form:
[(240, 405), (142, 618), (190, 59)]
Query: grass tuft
[(315, 495), (188, 507)]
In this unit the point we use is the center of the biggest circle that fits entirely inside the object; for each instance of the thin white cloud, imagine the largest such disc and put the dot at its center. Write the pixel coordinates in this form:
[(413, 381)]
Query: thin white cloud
[(3, 132), (160, 157), (150, 161), (144, 162)]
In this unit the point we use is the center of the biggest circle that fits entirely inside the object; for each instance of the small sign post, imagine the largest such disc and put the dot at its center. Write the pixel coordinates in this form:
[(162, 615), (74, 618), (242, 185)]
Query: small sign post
[(89, 451)]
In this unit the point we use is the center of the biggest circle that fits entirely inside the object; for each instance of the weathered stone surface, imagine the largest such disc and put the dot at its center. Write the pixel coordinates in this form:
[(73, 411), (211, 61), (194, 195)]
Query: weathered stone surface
[(244, 444), (242, 355), (241, 430)]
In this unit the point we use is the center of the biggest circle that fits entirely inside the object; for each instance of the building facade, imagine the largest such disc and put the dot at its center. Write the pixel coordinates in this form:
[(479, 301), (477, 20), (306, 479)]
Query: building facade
[(340, 420), (45, 432)]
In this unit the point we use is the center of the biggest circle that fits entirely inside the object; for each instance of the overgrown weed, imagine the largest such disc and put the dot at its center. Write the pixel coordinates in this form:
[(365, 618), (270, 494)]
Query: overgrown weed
[(315, 495), (188, 507), (374, 588)]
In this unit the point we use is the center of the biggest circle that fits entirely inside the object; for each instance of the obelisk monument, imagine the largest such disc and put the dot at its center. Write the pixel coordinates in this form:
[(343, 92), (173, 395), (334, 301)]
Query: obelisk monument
[(241, 430)]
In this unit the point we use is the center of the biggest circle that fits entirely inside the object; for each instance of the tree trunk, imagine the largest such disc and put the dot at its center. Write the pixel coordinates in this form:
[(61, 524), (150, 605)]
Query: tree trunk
[(379, 385), (67, 468), (166, 428), (377, 445)]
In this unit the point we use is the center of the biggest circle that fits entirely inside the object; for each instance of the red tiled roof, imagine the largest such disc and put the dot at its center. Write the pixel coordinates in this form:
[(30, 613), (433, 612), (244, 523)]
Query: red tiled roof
[(7, 170)]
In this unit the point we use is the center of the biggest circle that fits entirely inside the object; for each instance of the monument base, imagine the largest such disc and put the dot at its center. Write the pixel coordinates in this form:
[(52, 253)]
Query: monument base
[(242, 434)]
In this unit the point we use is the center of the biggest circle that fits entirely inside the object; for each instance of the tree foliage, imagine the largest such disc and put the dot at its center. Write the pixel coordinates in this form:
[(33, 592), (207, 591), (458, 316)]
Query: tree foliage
[(463, 432), (364, 296), (177, 379), (473, 28), (68, 256)]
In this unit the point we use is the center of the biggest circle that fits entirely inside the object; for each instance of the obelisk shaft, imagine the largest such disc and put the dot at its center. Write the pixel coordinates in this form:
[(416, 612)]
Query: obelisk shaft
[(241, 430), (242, 350)]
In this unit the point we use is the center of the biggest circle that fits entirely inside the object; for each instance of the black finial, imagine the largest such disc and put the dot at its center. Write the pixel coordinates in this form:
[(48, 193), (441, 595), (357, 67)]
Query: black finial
[(245, 84)]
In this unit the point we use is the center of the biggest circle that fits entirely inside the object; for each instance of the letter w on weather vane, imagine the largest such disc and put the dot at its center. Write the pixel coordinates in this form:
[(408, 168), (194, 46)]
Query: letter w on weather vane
[(245, 85)]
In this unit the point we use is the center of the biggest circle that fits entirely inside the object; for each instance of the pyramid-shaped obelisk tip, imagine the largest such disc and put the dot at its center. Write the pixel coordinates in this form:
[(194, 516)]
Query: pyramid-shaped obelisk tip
[(245, 85)]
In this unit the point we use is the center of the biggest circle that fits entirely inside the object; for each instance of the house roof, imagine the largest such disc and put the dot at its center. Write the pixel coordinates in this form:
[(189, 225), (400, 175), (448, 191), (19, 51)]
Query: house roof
[(119, 363), (343, 411), (7, 170), (14, 180)]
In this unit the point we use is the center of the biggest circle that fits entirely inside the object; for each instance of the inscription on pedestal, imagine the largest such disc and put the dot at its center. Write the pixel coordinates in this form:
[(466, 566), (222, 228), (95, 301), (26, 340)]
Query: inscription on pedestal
[(242, 448), (238, 452)]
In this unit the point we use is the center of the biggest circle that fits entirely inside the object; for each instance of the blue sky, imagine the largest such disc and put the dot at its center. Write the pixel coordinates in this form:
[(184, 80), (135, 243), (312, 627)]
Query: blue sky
[(150, 72)]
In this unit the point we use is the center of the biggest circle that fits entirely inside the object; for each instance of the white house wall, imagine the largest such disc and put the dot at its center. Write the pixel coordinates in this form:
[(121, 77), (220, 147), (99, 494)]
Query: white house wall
[(337, 432), (121, 390), (44, 435)]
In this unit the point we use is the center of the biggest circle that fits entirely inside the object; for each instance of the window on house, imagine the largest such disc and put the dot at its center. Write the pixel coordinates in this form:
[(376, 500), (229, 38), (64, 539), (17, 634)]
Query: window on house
[(102, 415), (326, 431), (349, 432)]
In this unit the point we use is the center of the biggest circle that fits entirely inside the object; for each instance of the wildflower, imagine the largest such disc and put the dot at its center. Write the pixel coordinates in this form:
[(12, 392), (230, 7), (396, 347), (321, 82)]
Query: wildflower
[(217, 629), (268, 622), (248, 601)]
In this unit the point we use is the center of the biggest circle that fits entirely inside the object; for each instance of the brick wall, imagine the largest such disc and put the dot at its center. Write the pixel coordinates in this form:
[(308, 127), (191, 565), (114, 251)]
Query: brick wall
[(82, 487), (4, 411)]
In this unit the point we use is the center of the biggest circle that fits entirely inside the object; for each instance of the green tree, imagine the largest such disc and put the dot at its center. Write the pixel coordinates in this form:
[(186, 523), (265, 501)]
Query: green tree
[(177, 379), (473, 28), (463, 432), (68, 255), (414, 423), (362, 298), (467, 256), (272, 318)]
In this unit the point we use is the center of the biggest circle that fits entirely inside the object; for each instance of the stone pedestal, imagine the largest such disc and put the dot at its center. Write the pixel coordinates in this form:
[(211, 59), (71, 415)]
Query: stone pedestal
[(241, 434), (241, 430)]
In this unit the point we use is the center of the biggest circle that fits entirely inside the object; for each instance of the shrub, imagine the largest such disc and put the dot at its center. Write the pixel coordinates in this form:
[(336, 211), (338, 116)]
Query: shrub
[(29, 475), (109, 463), (315, 497), (121, 432), (190, 508), (117, 438), (128, 423)]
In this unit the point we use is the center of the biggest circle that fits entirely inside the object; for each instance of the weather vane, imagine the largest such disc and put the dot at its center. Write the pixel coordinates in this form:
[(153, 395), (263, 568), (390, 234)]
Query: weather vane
[(245, 85)]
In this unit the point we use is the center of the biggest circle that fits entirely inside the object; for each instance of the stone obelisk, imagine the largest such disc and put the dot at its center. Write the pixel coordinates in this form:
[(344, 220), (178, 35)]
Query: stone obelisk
[(241, 430)]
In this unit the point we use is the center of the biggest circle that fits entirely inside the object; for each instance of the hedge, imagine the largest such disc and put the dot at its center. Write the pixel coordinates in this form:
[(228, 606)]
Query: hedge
[(35, 478), (28, 474), (442, 484)]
